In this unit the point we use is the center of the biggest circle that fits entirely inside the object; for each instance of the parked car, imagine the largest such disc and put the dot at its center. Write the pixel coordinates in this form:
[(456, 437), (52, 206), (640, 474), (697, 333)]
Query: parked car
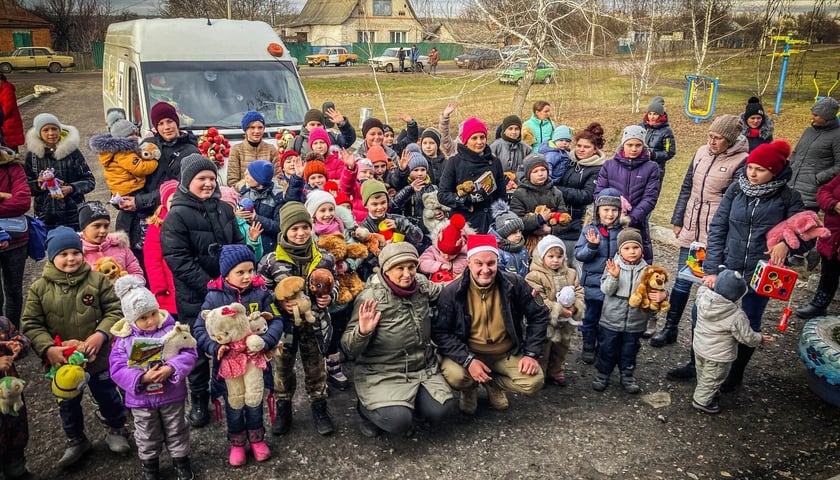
[(516, 72), (514, 52), (390, 62), (332, 56), (478, 58), (26, 58)]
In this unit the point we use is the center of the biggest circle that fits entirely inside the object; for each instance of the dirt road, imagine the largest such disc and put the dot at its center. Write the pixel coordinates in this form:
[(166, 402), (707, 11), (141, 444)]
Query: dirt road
[(773, 427)]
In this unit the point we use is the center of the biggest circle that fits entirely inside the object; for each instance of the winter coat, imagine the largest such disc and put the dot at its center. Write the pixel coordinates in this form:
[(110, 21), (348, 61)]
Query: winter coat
[(815, 160), (169, 168), (128, 378), (160, 278), (349, 186), (436, 164), (447, 144), (514, 262), (557, 159), (578, 189), (242, 154), (191, 227), (528, 197), (12, 121), (398, 357), (737, 237), (72, 306), (409, 203), (432, 261), (115, 246), (593, 258), (13, 180), (525, 319), (547, 283), (278, 265), (660, 141), (765, 132), (705, 182), (267, 204), (542, 129), (827, 198), (70, 167), (344, 139), (721, 326), (617, 314), (413, 233), (125, 169), (511, 155), (468, 165)]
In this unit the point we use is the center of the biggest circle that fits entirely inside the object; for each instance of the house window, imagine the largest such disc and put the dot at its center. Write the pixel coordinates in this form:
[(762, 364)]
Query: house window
[(363, 36), (134, 105), (22, 39), (381, 8), (399, 37)]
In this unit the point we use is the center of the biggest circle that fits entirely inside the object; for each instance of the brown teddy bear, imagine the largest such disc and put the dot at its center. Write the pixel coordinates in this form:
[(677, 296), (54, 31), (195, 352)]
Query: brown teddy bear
[(466, 188), (653, 279), (374, 242), (290, 290), (321, 282), (110, 268), (349, 283)]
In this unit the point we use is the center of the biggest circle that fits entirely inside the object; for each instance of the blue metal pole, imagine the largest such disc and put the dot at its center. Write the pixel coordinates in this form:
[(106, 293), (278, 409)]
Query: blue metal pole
[(782, 76)]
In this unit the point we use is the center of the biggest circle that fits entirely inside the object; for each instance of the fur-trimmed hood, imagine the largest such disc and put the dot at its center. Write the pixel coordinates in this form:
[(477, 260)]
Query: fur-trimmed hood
[(116, 239), (68, 144), (106, 143)]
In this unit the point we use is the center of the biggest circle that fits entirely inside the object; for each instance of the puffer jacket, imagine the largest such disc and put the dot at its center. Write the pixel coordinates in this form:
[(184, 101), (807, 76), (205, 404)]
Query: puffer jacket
[(511, 155), (593, 257), (169, 168), (525, 320), (279, 265), (738, 233), (721, 326), (125, 169), (828, 196), (435, 166), (469, 165), (191, 227), (510, 259), (12, 122), (413, 233), (13, 181), (160, 278), (242, 154), (542, 129), (389, 152), (547, 283), (557, 159), (527, 197), (70, 167), (128, 378), (398, 357), (660, 141), (350, 186), (703, 186), (115, 246), (72, 306), (765, 132), (267, 204), (578, 188), (617, 314), (409, 203), (815, 160)]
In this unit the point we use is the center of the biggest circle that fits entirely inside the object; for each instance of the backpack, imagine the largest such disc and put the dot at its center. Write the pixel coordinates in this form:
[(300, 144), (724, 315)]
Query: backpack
[(37, 238)]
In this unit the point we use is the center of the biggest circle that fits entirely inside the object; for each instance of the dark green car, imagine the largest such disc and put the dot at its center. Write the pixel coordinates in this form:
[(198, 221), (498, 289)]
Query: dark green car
[(516, 72)]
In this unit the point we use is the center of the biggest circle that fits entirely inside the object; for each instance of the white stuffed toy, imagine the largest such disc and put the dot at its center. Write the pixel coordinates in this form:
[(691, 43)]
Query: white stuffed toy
[(240, 355), (11, 399), (565, 299)]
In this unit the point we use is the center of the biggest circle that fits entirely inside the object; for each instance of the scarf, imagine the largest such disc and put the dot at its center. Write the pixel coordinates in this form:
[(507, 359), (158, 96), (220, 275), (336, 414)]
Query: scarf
[(335, 226), (398, 290), (510, 140), (511, 247), (300, 254), (760, 191)]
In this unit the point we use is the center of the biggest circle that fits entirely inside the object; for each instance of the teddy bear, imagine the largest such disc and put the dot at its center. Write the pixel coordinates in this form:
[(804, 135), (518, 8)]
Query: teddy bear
[(431, 205), (241, 362), (321, 282), (653, 278), (465, 188), (50, 183), (805, 225), (284, 140), (149, 151), (511, 182), (559, 218), (373, 241), (290, 290), (349, 283), (109, 267), (11, 398)]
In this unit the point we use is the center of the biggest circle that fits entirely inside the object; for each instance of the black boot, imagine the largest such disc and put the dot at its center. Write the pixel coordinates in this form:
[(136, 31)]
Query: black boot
[(151, 469), (668, 334), (685, 373), (283, 418), (817, 308), (736, 371), (199, 409), (590, 346), (183, 468), (321, 416)]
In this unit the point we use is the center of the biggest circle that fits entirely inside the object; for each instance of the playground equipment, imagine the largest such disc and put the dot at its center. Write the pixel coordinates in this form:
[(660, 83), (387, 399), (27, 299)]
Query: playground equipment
[(789, 40), (695, 83), (817, 97)]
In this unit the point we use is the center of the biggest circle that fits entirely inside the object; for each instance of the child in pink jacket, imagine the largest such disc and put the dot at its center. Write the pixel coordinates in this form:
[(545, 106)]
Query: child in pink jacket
[(160, 277), (97, 242), (448, 254), (354, 173)]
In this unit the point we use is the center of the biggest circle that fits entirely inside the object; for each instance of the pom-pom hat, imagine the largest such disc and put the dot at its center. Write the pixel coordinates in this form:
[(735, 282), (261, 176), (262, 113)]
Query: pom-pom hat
[(451, 239), (773, 156)]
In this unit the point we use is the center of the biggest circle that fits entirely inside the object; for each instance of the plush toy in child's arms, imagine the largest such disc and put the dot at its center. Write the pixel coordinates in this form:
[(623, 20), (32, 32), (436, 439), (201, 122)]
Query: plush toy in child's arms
[(110, 268), (291, 289), (50, 183), (805, 226), (653, 279), (11, 395)]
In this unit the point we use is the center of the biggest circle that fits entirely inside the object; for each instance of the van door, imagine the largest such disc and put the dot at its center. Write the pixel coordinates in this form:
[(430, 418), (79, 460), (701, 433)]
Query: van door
[(333, 59), (135, 106)]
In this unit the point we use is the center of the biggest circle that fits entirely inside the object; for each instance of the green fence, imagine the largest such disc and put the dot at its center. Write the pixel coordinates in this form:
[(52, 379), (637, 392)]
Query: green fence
[(448, 51), (98, 53)]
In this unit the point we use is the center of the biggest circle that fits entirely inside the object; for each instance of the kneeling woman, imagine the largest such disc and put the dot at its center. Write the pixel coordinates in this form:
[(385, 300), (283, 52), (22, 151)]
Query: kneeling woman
[(396, 371)]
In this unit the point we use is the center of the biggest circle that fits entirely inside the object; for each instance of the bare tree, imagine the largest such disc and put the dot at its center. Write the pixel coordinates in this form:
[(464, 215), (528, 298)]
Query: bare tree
[(267, 11), (76, 23)]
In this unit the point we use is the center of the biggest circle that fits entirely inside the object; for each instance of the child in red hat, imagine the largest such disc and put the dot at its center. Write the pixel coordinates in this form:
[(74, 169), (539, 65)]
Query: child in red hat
[(448, 254)]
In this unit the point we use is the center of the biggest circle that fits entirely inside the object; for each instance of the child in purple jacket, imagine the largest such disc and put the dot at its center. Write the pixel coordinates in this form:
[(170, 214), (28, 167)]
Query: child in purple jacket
[(155, 393)]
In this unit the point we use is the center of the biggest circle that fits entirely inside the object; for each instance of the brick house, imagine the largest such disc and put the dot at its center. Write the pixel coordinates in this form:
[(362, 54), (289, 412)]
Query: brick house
[(343, 22), (21, 28)]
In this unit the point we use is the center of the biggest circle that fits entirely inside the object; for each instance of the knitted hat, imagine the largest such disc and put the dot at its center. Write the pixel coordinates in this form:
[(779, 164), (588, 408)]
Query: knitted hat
[(331, 187), (233, 255), (313, 115), (318, 133), (416, 158), (478, 243), (371, 188), (43, 119), (657, 105), (372, 123), (229, 194), (472, 126), (773, 156), (609, 197), (387, 128), (376, 154), (292, 213), (363, 165), (167, 189), (287, 155), (60, 239), (194, 163), (112, 116), (341, 198), (511, 120), (396, 253), (562, 132), (123, 128), (163, 110), (90, 212), (753, 108), (315, 199), (433, 133), (508, 223), (251, 117), (532, 161), (312, 167), (262, 171), (629, 235), (730, 285), (727, 126), (826, 108), (135, 298), (547, 243), (451, 240), (631, 132)]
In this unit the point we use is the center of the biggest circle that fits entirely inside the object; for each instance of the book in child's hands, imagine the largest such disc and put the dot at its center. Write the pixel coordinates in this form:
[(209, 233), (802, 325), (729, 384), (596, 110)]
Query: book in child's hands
[(145, 351), (486, 182)]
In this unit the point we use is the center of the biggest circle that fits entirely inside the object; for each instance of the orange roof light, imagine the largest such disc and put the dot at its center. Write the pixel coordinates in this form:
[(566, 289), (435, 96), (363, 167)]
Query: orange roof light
[(275, 49)]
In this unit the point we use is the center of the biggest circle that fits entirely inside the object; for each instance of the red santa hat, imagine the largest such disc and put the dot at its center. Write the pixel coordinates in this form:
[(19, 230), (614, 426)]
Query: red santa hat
[(451, 240), (481, 243)]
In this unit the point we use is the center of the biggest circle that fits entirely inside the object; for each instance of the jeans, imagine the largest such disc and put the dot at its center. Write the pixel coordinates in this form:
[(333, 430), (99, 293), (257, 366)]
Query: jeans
[(12, 265), (753, 306), (242, 419), (617, 348), (105, 393)]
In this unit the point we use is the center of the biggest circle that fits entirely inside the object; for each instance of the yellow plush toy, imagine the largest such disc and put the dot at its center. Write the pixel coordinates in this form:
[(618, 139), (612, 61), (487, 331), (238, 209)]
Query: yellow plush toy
[(653, 279)]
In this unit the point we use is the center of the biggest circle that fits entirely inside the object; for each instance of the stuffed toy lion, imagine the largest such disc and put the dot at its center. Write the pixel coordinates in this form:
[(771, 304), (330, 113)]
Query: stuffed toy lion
[(653, 279), (349, 283), (110, 268), (803, 226)]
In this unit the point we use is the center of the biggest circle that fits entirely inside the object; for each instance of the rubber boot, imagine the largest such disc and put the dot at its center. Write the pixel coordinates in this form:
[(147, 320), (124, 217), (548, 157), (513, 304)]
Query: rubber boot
[(237, 449), (590, 346), (283, 419), (685, 373), (258, 446), (736, 371), (151, 469), (668, 334), (200, 409), (183, 468), (817, 308)]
